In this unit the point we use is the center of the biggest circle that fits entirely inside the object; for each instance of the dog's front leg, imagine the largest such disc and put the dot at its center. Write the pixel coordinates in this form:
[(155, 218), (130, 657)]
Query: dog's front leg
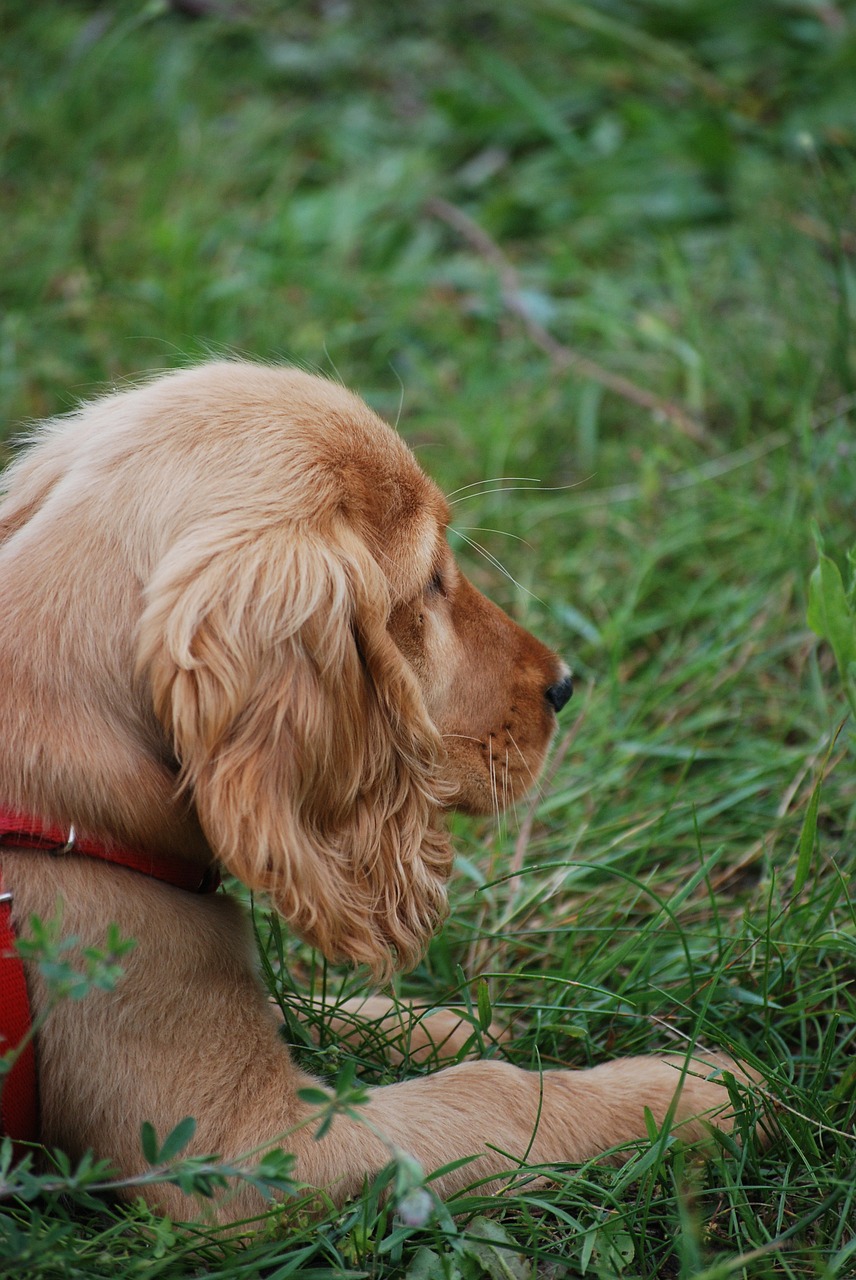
[(190, 1032), (503, 1117)]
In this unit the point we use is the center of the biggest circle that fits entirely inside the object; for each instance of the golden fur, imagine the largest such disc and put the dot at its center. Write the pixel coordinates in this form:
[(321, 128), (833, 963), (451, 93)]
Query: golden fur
[(231, 629)]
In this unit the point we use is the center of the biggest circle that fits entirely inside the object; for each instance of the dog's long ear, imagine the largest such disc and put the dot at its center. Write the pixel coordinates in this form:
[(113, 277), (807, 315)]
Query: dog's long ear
[(302, 734)]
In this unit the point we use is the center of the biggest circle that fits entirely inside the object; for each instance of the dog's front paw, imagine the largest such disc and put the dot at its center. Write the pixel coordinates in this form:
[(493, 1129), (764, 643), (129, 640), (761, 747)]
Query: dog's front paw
[(400, 1032), (691, 1094)]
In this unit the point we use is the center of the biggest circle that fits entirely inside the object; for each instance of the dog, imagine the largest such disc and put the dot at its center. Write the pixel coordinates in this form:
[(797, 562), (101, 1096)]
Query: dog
[(232, 634)]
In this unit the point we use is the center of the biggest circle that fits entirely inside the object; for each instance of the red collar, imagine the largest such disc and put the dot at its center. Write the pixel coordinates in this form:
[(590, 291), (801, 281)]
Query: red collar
[(22, 831), (18, 1099)]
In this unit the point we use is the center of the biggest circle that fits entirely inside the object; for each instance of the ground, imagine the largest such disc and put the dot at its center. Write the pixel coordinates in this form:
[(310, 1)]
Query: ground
[(597, 262)]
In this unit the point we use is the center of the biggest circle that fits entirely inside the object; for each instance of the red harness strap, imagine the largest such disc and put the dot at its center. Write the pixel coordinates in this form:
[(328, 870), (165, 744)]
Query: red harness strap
[(18, 1108), (18, 1099)]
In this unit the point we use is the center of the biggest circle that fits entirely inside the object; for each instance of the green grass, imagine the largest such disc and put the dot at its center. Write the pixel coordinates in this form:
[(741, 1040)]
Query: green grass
[(667, 189)]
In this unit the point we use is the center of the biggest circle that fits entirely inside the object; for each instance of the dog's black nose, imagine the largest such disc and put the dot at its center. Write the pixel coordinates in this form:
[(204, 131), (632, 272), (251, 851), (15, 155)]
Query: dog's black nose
[(560, 692)]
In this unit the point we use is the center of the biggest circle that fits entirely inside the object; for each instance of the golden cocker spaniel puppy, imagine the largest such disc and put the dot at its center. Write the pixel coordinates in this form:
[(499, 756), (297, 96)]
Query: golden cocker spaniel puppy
[(232, 632)]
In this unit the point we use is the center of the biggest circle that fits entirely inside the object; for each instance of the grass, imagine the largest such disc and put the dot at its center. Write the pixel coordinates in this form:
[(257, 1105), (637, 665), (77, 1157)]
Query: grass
[(656, 192)]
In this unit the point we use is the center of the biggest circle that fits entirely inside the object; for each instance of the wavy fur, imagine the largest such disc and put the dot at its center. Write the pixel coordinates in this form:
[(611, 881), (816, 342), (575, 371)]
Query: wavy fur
[(302, 735)]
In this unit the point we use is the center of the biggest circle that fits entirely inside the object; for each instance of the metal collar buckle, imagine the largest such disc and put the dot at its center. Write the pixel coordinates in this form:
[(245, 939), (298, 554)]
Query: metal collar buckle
[(68, 847)]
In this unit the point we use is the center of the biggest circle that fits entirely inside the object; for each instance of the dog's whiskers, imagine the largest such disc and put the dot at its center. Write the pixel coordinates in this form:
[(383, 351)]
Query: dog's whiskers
[(481, 485), (471, 528), (401, 394), (533, 777), (515, 488), (497, 564), (494, 791)]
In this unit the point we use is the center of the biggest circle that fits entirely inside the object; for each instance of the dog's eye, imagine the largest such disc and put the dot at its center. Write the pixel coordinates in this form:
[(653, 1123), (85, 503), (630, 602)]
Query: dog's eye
[(436, 587)]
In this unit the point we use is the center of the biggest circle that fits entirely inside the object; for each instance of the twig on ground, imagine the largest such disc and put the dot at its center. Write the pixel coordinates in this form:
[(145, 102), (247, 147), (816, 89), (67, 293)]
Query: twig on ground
[(562, 356), (829, 237)]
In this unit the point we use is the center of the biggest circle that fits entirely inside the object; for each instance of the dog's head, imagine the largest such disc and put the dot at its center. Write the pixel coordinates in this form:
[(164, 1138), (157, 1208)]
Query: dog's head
[(324, 676)]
